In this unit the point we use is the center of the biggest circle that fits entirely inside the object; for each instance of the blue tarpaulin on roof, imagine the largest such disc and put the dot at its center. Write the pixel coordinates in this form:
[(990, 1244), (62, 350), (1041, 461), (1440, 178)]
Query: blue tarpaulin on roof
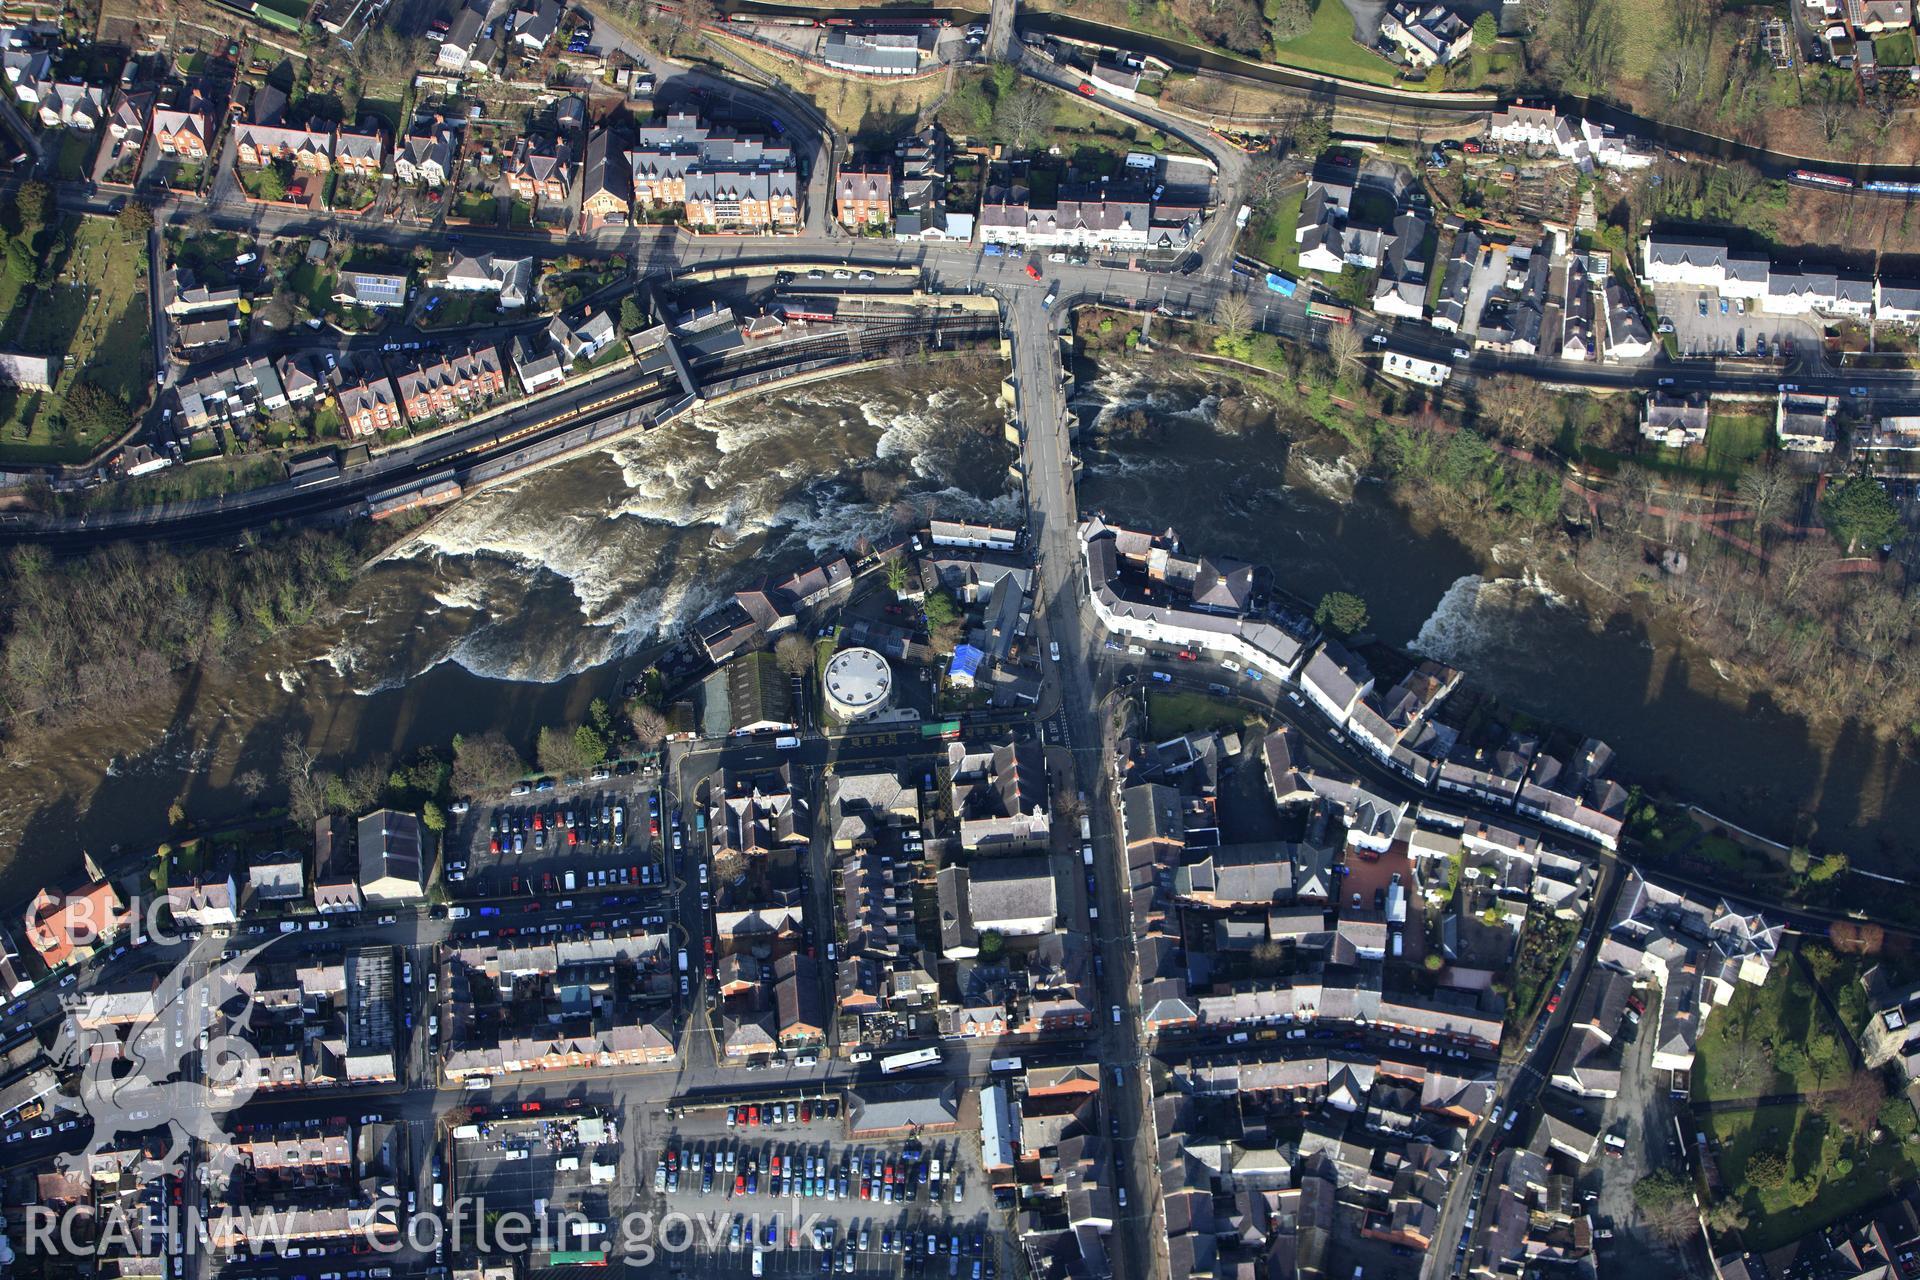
[(966, 662)]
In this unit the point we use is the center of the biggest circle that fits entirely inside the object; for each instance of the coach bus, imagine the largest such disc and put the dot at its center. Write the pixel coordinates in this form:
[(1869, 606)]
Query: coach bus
[(909, 1061)]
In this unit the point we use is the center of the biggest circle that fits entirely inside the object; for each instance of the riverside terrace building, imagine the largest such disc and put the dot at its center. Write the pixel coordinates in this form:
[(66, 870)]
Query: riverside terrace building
[(526, 1006), (1144, 588), (722, 178), (1400, 729), (1586, 144), (773, 606)]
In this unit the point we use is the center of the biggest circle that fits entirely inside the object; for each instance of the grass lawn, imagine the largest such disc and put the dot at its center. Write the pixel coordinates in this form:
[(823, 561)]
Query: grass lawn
[(1894, 50), (477, 207), (1273, 241), (1329, 47), (1172, 714), (1643, 27), (1817, 1192), (94, 316), (211, 479), (1734, 440), (1782, 1013), (75, 150)]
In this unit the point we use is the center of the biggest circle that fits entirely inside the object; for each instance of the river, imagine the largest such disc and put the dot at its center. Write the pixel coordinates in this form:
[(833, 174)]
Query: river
[(1230, 483), (517, 607), (520, 605)]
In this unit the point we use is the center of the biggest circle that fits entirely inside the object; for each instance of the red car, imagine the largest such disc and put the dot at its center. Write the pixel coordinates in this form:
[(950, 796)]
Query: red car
[(806, 1112), (653, 826), (539, 823), (1553, 1003), (1033, 271), (1086, 87), (709, 944), (753, 1115), (493, 846), (739, 1184), (573, 837), (1188, 655), (531, 1108)]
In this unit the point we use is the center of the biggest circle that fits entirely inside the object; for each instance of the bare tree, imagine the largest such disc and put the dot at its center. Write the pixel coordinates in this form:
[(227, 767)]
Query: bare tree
[(1743, 1062), (649, 726), (1268, 176), (1344, 350), (306, 784), (1855, 1105), (1024, 116), (1832, 104), (1234, 314), (1767, 489), (794, 655)]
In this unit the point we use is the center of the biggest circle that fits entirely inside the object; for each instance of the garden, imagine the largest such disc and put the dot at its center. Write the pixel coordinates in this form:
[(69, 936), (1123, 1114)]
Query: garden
[(87, 306)]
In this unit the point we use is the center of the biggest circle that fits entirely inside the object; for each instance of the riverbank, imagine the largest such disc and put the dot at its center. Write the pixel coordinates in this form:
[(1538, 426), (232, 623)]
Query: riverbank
[(517, 607), (1458, 578)]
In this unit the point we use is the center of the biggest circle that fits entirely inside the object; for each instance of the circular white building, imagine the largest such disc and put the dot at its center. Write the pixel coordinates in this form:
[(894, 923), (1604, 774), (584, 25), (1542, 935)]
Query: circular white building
[(859, 685)]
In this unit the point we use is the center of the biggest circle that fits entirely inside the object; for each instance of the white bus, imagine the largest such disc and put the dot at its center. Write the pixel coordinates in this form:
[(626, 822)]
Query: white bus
[(1004, 1064), (909, 1061)]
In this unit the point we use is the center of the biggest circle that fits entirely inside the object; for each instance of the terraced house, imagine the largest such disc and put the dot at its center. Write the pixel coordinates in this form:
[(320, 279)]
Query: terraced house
[(256, 145), (370, 407), (730, 201), (453, 387), (865, 197), (180, 133), (358, 153)]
